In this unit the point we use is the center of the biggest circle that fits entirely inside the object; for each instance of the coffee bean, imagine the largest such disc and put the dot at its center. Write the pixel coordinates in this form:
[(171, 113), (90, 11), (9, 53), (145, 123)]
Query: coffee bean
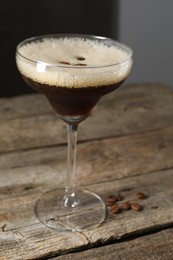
[(80, 64), (141, 195), (110, 200), (115, 209), (135, 206), (64, 62), (80, 58), (125, 205)]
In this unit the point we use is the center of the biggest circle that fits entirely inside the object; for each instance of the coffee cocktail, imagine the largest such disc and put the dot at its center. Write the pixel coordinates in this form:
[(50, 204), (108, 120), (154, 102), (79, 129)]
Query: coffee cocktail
[(73, 72), (85, 71)]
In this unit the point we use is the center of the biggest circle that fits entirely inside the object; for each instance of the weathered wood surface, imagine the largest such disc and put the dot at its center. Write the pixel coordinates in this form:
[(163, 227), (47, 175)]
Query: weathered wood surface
[(29, 122), (126, 146), (155, 246)]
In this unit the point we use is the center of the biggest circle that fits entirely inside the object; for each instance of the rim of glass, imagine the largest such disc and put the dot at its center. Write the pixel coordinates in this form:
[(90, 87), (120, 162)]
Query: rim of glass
[(69, 35)]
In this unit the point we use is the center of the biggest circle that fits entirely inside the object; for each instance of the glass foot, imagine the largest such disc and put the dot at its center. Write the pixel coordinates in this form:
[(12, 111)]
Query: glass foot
[(88, 212)]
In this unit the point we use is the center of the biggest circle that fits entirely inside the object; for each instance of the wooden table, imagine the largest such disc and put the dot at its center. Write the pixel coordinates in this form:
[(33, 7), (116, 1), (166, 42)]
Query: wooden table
[(126, 146)]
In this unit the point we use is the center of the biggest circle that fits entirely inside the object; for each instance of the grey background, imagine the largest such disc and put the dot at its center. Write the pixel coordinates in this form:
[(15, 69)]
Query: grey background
[(147, 26)]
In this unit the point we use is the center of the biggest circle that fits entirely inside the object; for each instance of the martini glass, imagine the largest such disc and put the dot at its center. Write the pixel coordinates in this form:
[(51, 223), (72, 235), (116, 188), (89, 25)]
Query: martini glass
[(73, 71)]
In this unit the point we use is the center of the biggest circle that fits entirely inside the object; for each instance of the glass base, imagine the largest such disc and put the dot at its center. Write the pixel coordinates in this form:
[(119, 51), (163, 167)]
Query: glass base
[(88, 212)]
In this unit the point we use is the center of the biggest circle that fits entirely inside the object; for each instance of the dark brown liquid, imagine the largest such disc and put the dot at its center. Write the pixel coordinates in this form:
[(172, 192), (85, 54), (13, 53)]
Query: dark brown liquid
[(72, 102)]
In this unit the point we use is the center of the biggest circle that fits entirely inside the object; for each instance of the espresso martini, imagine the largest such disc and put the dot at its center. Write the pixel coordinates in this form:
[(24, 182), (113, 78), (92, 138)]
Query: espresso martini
[(73, 73)]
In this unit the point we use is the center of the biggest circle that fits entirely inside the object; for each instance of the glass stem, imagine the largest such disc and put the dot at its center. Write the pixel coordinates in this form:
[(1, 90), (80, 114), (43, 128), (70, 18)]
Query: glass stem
[(70, 199)]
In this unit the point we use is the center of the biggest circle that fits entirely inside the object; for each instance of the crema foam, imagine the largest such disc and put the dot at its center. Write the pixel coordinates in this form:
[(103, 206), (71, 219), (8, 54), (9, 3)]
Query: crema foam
[(73, 62)]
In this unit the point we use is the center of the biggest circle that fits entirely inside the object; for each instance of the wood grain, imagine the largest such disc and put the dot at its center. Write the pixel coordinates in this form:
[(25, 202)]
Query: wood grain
[(111, 158), (19, 225), (124, 147), (155, 246), (27, 124)]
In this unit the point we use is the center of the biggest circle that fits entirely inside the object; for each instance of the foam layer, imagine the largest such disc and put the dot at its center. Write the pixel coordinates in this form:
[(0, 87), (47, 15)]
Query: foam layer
[(76, 62)]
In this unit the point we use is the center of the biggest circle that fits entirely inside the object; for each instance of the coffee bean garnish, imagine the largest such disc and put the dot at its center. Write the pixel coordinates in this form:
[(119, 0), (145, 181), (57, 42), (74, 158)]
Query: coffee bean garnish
[(125, 205), (80, 58), (135, 206), (64, 62), (111, 199), (115, 209), (117, 203), (68, 63), (141, 195), (80, 64)]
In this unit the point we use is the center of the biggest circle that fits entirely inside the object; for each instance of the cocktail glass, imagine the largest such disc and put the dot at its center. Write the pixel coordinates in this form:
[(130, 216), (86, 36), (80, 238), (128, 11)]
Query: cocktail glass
[(73, 71)]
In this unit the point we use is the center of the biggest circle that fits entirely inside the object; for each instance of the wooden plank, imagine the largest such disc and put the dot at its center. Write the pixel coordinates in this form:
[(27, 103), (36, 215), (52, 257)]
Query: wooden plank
[(125, 98), (112, 158), (132, 110), (156, 246), (23, 106), (21, 229), (137, 157)]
